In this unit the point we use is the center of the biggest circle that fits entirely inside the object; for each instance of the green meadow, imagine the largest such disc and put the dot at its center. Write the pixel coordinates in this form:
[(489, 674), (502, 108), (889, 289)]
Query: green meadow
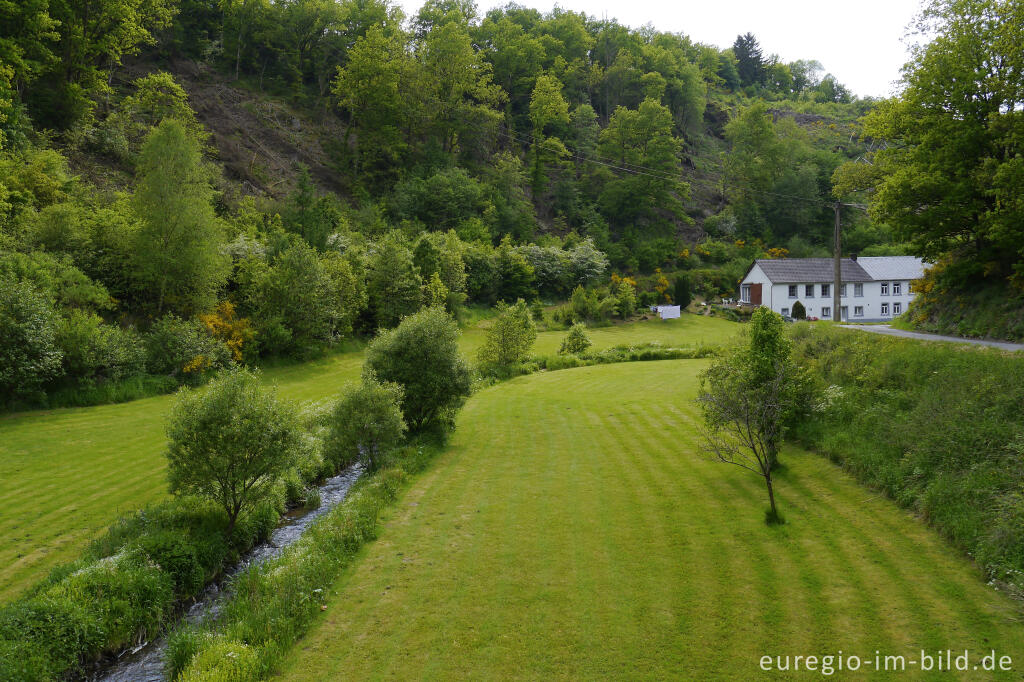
[(66, 474), (573, 529)]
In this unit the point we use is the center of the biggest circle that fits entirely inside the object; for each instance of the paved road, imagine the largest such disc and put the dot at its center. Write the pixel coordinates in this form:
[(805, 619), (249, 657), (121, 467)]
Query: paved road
[(886, 329)]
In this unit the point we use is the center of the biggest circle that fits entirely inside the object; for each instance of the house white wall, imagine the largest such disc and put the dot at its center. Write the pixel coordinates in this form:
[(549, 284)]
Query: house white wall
[(876, 305)]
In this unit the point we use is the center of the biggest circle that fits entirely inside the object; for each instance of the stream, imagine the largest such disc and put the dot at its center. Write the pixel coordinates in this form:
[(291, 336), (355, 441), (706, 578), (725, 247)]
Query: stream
[(145, 663)]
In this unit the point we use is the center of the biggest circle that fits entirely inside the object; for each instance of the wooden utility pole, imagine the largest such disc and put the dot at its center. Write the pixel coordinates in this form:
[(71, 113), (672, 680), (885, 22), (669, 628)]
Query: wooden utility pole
[(837, 274)]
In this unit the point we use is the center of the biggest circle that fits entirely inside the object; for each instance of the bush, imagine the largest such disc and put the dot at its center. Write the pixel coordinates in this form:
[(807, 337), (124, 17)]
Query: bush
[(509, 338), (183, 349), (231, 442), (29, 355), (799, 312), (422, 356), (94, 350), (366, 424), (576, 341)]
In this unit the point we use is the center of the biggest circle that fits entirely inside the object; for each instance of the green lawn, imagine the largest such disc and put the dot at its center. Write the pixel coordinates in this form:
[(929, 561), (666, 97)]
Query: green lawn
[(573, 530), (66, 474)]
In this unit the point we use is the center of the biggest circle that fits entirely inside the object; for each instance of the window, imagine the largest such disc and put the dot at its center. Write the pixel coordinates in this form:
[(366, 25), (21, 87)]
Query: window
[(745, 293), (897, 308), (844, 313), (910, 287), (826, 312), (858, 311), (825, 290), (792, 291), (885, 288), (897, 287), (885, 310), (858, 290), (842, 290), (785, 312), (809, 290)]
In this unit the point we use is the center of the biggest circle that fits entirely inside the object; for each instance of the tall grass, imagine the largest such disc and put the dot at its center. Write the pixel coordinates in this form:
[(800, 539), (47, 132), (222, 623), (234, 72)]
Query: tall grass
[(939, 428)]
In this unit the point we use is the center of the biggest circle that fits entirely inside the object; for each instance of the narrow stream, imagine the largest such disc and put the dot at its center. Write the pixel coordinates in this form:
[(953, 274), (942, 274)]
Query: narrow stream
[(146, 662)]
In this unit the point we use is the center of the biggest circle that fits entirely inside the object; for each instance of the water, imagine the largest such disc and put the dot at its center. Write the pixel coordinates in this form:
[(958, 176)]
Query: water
[(145, 663)]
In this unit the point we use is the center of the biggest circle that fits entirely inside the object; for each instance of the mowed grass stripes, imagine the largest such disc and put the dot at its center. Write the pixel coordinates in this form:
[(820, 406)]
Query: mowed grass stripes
[(65, 475), (573, 530)]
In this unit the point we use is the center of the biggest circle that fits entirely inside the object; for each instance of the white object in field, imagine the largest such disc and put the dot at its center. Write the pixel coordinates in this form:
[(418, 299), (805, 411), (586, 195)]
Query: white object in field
[(668, 312)]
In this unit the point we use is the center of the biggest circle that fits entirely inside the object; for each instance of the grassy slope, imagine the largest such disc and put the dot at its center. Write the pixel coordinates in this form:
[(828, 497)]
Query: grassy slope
[(571, 530), (66, 474)]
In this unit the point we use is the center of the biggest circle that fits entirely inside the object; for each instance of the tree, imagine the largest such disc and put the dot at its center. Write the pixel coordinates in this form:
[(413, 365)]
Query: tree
[(422, 356), (230, 442), (681, 291), (576, 341), (177, 248), (514, 273), (509, 338), (393, 283), (549, 112), (954, 163), (747, 398), (29, 356), (749, 60), (366, 424)]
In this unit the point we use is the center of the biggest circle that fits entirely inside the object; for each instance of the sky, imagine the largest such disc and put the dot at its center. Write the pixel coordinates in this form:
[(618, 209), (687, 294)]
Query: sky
[(858, 42)]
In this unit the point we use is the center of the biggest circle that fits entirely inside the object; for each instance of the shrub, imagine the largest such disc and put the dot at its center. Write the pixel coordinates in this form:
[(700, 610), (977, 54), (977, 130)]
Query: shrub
[(231, 442), (576, 341), (366, 424), (799, 312), (422, 356), (183, 349), (29, 355), (94, 350), (509, 338), (681, 291)]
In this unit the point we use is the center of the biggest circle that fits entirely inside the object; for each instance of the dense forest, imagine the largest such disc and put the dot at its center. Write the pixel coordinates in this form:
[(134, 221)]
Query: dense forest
[(187, 184)]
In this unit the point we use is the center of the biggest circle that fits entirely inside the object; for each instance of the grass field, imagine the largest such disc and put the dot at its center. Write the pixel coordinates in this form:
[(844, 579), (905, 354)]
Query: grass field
[(572, 530), (66, 474)]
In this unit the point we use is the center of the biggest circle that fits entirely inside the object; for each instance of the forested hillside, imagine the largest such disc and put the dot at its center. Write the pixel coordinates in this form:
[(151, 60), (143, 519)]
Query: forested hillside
[(185, 183)]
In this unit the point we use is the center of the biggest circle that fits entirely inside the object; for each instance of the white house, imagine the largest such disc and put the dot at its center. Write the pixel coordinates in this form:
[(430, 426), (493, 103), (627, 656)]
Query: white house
[(874, 289)]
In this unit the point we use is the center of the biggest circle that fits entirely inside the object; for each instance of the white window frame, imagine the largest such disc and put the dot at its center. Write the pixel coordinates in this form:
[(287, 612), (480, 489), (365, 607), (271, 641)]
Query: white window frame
[(826, 313), (825, 290), (745, 293), (809, 291), (858, 311), (897, 308), (858, 290), (842, 290), (785, 312), (793, 290), (897, 288), (885, 289), (885, 310)]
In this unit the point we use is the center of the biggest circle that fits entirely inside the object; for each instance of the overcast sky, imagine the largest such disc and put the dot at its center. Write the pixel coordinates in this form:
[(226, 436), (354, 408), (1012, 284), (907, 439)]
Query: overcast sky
[(859, 42)]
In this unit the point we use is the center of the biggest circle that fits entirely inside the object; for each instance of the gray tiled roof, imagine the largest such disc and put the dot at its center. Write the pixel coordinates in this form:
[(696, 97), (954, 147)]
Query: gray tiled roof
[(798, 270), (893, 267)]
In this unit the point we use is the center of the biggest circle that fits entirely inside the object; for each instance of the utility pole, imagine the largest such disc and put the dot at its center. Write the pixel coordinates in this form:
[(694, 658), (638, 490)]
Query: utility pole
[(837, 267)]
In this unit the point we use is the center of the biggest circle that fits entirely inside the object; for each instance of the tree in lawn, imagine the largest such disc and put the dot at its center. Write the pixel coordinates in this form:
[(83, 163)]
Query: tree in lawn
[(576, 341), (230, 442), (422, 356), (748, 396), (366, 424), (393, 282), (799, 312), (177, 253), (681, 291), (509, 339)]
